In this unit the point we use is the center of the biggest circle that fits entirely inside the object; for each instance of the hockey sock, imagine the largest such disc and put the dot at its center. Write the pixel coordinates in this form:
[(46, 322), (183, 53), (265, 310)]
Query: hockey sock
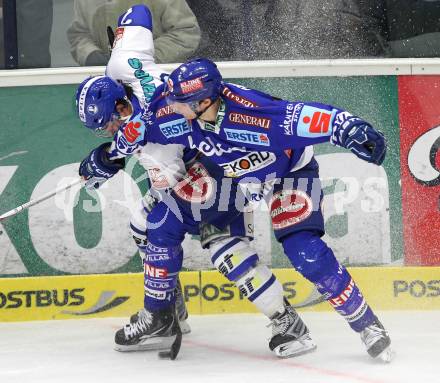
[(311, 257), (161, 268)]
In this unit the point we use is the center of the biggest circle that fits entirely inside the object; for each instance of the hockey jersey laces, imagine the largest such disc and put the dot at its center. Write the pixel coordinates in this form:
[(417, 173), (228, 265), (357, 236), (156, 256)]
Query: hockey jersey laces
[(144, 321)]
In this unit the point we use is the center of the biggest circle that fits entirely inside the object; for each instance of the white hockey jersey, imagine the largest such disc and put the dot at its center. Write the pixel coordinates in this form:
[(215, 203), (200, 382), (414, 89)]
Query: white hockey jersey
[(132, 63)]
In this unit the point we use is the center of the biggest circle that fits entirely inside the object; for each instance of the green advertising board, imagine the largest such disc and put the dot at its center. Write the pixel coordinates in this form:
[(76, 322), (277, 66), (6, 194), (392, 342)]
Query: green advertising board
[(42, 142)]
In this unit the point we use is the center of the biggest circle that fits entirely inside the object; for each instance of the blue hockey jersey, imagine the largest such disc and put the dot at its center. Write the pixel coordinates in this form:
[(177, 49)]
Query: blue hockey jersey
[(253, 135)]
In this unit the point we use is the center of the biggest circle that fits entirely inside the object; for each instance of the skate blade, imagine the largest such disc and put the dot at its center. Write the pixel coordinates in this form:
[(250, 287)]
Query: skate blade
[(184, 326), (387, 355), (294, 349), (148, 344)]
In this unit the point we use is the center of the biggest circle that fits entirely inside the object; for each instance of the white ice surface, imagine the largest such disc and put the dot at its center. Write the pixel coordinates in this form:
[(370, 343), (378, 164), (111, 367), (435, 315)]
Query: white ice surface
[(221, 348)]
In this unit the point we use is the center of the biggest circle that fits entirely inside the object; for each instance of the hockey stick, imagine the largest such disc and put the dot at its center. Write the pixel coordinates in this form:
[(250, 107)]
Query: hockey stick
[(36, 201), (111, 37), (313, 299)]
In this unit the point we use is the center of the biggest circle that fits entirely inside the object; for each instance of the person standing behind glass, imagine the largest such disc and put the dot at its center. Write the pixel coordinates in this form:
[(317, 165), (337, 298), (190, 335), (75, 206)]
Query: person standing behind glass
[(413, 28), (176, 32), (221, 25), (311, 29), (34, 26)]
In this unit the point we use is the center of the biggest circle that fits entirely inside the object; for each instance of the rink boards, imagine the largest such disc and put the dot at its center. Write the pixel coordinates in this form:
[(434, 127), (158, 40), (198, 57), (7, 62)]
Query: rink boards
[(206, 292)]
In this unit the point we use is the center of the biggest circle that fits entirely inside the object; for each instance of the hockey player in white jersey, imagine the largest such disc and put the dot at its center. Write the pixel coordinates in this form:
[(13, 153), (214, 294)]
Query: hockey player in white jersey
[(131, 63)]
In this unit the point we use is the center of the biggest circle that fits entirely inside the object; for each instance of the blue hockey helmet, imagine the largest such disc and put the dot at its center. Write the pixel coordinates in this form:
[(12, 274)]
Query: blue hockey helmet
[(194, 80), (96, 99)]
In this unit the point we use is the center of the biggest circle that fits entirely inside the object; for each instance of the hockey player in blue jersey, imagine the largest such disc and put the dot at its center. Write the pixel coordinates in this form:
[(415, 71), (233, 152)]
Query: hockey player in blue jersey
[(228, 122), (131, 62), (225, 232), (249, 133)]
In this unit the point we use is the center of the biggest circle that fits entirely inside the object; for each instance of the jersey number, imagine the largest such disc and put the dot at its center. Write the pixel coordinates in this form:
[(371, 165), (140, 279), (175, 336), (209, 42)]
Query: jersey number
[(124, 20)]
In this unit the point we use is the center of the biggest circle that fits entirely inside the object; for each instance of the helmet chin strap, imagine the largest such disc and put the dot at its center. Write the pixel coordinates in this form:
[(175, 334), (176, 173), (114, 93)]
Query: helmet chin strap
[(199, 113), (126, 118)]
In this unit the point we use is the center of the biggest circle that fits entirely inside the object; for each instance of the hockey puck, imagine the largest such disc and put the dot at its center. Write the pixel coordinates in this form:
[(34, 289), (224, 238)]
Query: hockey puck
[(175, 347), (167, 355)]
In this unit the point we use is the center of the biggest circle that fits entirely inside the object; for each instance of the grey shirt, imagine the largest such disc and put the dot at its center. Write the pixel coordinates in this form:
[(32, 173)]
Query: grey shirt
[(176, 32)]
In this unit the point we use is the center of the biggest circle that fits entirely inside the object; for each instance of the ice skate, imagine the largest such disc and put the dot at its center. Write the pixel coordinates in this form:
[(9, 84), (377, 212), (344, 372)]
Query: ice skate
[(290, 336), (151, 331), (377, 341), (182, 312)]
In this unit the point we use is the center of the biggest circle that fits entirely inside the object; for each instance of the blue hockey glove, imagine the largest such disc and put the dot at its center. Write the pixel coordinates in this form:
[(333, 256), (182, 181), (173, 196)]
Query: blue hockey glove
[(361, 139), (97, 168)]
